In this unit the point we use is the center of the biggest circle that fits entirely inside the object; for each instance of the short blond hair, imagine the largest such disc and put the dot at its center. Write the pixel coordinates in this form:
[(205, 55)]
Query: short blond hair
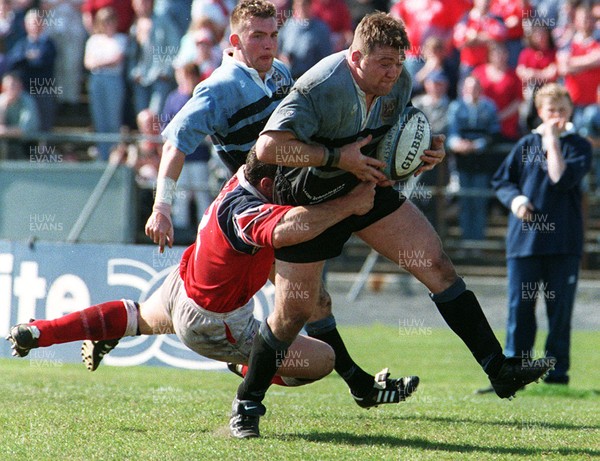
[(248, 9), (380, 29), (552, 92)]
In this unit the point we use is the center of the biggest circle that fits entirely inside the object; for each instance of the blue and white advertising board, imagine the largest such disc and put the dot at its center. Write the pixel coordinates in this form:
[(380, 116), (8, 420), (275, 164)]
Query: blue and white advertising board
[(46, 280)]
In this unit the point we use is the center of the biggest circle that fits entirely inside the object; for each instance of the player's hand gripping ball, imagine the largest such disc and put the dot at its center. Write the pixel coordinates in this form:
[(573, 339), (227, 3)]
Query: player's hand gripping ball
[(402, 146)]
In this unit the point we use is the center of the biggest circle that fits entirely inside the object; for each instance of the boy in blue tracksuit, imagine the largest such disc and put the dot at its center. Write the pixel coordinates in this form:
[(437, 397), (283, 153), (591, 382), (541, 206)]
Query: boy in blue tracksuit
[(540, 182)]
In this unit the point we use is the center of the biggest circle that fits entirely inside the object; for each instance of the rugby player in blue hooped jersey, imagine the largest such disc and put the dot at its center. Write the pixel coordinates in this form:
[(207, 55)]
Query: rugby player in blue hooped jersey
[(333, 118), (232, 106)]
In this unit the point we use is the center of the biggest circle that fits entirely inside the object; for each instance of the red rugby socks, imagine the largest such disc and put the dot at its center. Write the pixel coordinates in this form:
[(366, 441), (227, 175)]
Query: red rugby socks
[(103, 321)]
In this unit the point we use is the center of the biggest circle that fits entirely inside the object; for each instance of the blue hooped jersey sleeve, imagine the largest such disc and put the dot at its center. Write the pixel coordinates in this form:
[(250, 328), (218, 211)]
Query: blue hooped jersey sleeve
[(231, 106)]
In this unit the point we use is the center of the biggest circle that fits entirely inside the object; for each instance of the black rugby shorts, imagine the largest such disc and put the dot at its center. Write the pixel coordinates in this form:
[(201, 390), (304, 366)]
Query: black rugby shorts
[(330, 243)]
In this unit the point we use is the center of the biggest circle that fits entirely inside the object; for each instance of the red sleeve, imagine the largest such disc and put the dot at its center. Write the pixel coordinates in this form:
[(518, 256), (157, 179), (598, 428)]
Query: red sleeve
[(255, 225)]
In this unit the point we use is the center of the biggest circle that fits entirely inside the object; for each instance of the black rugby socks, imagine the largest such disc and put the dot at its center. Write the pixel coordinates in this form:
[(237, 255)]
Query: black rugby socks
[(265, 358), (461, 311), (359, 381)]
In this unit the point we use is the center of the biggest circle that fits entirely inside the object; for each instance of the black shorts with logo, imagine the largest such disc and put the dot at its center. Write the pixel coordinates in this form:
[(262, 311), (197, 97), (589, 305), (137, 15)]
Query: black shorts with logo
[(330, 243)]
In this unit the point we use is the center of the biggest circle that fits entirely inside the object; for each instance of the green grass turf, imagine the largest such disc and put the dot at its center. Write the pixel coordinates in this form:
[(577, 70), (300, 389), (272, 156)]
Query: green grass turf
[(55, 411)]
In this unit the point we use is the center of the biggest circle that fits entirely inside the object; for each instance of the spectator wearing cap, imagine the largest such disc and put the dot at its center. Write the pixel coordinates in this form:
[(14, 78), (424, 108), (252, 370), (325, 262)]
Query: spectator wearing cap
[(434, 54), (434, 103)]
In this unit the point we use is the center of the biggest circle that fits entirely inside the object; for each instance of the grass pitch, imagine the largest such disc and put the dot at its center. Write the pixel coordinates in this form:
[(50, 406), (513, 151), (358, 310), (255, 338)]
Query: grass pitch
[(63, 412)]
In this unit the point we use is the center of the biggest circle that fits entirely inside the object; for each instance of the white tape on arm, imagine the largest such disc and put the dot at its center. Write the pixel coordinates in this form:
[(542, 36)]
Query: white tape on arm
[(165, 190), (165, 193)]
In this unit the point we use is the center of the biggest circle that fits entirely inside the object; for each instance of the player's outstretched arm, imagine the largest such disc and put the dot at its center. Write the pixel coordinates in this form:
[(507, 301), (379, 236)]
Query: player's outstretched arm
[(159, 226), (303, 223)]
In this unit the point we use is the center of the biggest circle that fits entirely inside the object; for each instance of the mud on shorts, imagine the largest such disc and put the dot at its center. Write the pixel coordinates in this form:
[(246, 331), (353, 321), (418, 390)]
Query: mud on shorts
[(226, 337), (330, 243)]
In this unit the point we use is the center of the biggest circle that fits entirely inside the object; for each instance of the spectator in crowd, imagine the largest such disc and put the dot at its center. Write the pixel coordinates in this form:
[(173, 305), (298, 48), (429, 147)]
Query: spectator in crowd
[(217, 12), (473, 126), (12, 26), (501, 84), (434, 104), (194, 178), (536, 67), (564, 29), (153, 45), (540, 182), (123, 9), (427, 18), (434, 53), (105, 58), (590, 128), (178, 11), (336, 15), (579, 63), (33, 58), (208, 55), (590, 122), (200, 45), (360, 8), (65, 28), (548, 13), (18, 115), (513, 13), (596, 15), (474, 32), (304, 39), (143, 156)]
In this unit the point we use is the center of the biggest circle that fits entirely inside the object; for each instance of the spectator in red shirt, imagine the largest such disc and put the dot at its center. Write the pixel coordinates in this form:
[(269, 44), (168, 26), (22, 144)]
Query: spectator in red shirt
[(430, 18), (123, 9), (536, 67), (512, 13), (474, 32), (424, 18), (579, 63), (501, 84), (336, 14)]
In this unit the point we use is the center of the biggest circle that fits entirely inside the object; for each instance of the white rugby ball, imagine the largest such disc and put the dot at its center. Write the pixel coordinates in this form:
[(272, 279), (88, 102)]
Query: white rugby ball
[(402, 146)]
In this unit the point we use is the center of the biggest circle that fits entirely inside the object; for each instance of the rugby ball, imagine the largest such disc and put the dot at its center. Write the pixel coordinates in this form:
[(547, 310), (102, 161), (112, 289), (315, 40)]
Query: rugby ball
[(402, 146)]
